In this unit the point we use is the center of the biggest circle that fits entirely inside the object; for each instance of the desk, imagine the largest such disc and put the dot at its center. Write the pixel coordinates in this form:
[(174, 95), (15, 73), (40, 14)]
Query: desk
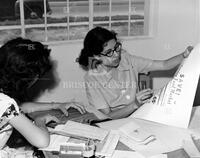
[(180, 153)]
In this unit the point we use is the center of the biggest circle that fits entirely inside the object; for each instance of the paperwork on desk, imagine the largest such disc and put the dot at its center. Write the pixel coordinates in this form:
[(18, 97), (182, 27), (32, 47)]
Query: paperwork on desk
[(158, 126), (172, 104), (82, 130), (106, 141), (133, 154), (108, 145), (168, 138)]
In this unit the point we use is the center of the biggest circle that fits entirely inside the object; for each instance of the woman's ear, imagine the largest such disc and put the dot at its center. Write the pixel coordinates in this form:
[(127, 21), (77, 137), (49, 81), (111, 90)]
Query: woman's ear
[(97, 57), (94, 61)]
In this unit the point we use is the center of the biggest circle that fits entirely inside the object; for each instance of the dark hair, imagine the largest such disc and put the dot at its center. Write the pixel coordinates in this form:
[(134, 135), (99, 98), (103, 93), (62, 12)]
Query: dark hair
[(21, 60), (93, 45)]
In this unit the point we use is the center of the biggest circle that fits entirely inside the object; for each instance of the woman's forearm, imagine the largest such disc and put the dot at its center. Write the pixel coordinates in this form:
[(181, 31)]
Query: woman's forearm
[(174, 61), (123, 112), (38, 106)]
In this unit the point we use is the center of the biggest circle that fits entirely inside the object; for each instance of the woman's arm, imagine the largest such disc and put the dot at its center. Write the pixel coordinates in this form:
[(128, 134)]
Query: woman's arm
[(171, 62), (29, 107), (120, 113), (42, 106), (140, 98), (37, 136)]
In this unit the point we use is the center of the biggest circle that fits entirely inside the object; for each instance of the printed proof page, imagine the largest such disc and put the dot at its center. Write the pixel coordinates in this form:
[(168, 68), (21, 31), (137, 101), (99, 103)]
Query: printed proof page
[(172, 105)]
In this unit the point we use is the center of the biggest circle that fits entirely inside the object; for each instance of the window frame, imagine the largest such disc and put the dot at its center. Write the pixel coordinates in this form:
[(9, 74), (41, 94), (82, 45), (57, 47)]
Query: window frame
[(150, 22)]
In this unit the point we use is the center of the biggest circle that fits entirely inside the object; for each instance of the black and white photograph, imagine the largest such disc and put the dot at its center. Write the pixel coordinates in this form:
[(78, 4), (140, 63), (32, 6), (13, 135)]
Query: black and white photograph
[(99, 79)]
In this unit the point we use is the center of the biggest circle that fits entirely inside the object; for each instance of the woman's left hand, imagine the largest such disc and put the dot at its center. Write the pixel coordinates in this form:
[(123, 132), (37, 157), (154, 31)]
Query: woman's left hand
[(64, 107), (187, 51)]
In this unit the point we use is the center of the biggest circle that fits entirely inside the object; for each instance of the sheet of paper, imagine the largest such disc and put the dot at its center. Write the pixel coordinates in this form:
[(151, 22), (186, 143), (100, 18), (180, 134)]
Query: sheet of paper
[(136, 133), (55, 142), (153, 148), (82, 130), (107, 146), (126, 154), (158, 156), (169, 138), (133, 154), (172, 104)]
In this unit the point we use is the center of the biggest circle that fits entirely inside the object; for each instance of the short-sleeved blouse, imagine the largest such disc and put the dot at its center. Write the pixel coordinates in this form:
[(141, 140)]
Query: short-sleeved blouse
[(8, 110), (104, 91)]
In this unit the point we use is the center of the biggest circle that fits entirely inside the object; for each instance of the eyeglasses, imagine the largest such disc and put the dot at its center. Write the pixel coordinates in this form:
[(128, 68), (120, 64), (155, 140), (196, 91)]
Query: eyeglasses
[(110, 52)]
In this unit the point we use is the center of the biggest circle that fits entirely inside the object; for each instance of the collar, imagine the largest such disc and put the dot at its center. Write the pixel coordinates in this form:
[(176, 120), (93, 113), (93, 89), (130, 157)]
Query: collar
[(103, 76)]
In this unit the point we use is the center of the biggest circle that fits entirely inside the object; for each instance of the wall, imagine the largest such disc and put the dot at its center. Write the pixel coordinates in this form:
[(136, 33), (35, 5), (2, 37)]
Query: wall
[(177, 26)]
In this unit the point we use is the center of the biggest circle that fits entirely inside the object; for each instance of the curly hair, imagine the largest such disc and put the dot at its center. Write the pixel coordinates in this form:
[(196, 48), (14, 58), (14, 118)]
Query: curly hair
[(94, 45), (21, 60)]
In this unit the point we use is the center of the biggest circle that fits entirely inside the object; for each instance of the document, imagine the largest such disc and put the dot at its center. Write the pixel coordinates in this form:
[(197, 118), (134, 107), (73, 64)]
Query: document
[(108, 145), (141, 140), (126, 154), (172, 105), (81, 130), (133, 154), (137, 134)]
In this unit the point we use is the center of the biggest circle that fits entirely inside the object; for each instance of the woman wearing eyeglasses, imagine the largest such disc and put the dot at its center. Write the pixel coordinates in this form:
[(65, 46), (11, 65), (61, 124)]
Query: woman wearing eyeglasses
[(112, 73)]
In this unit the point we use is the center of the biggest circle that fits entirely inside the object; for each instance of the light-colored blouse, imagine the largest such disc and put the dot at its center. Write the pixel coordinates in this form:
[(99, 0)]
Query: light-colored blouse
[(104, 90)]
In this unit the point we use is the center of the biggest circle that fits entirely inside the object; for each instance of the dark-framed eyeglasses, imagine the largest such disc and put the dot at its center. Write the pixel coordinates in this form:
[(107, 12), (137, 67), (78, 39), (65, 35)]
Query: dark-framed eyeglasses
[(110, 52)]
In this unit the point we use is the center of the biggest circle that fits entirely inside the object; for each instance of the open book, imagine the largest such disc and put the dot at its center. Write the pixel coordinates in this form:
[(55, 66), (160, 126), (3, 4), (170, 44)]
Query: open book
[(172, 105)]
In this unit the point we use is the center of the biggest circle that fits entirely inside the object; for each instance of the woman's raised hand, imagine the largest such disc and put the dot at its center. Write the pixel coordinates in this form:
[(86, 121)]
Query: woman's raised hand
[(187, 51)]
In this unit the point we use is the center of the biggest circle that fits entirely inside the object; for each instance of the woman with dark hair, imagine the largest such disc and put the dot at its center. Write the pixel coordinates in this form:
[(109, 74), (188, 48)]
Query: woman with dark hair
[(22, 63), (112, 73)]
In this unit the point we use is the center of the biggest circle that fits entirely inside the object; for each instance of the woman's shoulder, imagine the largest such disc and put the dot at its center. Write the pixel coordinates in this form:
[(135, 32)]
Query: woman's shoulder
[(6, 103), (6, 99)]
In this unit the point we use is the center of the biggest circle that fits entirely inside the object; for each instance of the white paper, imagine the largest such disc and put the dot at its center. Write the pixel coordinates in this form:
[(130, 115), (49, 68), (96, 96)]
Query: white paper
[(107, 146), (55, 142), (172, 104), (126, 154), (133, 154), (158, 156), (153, 148), (82, 130), (136, 133), (169, 138)]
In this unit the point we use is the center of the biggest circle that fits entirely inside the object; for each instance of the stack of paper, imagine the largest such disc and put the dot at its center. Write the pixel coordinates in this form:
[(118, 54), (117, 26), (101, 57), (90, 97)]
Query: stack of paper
[(82, 130), (62, 133)]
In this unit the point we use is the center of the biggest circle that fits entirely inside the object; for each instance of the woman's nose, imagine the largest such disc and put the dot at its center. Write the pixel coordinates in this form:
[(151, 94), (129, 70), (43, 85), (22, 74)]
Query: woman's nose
[(116, 53)]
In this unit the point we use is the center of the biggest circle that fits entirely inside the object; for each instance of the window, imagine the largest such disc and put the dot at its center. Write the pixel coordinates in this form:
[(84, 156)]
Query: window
[(64, 20)]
